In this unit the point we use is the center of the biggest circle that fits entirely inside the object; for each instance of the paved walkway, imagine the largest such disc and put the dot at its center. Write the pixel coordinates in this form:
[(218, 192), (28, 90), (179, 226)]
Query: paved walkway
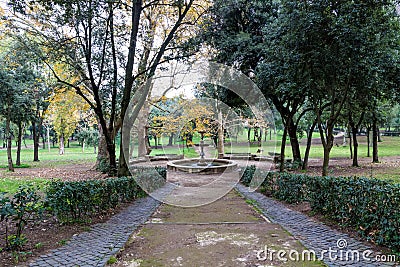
[(95, 247), (316, 236), (227, 221)]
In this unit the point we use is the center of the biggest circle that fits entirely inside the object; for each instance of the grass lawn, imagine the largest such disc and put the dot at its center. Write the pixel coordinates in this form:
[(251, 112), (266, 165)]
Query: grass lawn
[(73, 154), (187, 152), (390, 146), (11, 185)]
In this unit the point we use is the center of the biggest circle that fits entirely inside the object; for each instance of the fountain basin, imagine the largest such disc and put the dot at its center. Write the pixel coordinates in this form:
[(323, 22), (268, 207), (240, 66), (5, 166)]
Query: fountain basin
[(207, 165)]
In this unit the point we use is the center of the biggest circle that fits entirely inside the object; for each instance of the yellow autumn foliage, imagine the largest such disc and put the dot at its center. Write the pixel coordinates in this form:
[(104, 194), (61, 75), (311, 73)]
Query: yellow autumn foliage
[(65, 111)]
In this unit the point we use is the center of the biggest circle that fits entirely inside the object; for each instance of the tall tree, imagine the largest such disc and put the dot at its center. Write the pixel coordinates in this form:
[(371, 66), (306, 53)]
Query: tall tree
[(246, 35), (342, 54), (65, 111), (91, 38), (16, 82)]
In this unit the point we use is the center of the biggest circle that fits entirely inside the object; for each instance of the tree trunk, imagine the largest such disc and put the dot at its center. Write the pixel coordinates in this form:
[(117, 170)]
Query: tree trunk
[(327, 142), (325, 164), (248, 134), (171, 139), (61, 145), (143, 147), (123, 168), (294, 141), (83, 145), (308, 147), (350, 144), (102, 152), (220, 136), (43, 140), (379, 135), (355, 146), (282, 156), (35, 141), (19, 143), (9, 144), (368, 142), (375, 158)]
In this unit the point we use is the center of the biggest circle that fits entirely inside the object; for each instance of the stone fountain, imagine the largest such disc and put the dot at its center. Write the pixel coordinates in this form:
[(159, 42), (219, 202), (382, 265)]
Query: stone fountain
[(202, 164)]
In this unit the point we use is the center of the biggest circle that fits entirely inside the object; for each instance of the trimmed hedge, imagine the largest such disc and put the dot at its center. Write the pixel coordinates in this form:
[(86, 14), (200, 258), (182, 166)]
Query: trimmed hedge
[(370, 206), (76, 201)]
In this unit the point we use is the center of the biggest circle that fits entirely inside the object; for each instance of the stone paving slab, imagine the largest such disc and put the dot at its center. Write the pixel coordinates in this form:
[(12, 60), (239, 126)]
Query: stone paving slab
[(315, 235), (95, 247)]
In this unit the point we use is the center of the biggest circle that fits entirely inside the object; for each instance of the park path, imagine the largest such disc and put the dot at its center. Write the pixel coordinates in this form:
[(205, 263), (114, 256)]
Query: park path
[(227, 232), (242, 228), (95, 247)]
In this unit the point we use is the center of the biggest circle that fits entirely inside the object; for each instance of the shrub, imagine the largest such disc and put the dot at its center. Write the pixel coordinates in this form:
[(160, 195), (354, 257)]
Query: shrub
[(247, 175), (24, 206), (370, 206), (290, 188), (76, 201)]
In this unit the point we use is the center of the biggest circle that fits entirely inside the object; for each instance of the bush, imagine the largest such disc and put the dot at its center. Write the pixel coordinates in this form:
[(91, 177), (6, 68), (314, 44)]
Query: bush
[(247, 175), (162, 171), (77, 201), (103, 165), (290, 188), (24, 206), (370, 206)]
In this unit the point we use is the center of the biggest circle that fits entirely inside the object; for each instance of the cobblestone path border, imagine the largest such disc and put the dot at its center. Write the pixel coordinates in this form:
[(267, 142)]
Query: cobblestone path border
[(313, 235), (95, 247)]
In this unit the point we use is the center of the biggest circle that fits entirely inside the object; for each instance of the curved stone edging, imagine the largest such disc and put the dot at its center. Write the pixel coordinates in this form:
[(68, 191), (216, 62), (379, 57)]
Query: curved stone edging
[(178, 165)]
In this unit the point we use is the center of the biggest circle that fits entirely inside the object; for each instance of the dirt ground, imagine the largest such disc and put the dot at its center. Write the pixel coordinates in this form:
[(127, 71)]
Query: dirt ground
[(67, 172), (45, 235), (387, 167)]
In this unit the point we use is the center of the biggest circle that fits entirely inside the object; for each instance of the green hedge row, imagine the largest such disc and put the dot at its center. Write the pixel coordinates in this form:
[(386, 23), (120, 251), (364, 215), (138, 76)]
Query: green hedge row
[(76, 201), (370, 206)]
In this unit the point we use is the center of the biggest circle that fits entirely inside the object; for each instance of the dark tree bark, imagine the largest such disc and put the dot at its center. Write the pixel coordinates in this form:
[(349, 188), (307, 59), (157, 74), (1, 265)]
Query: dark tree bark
[(355, 146), (327, 142), (354, 130), (287, 115), (19, 143), (171, 139), (35, 133), (294, 141), (350, 142), (282, 156), (308, 147), (9, 141), (368, 142), (102, 154), (375, 158)]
